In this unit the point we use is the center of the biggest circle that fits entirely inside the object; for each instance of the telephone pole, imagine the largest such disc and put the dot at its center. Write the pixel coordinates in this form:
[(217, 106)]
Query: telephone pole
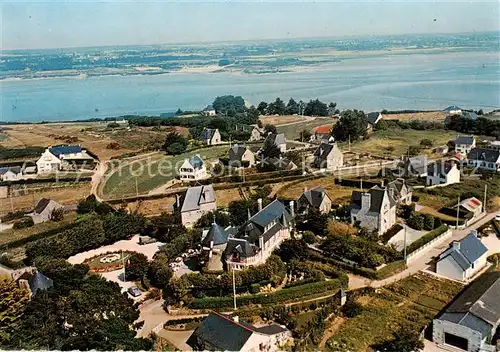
[(458, 210), (234, 291), (484, 199), (405, 243)]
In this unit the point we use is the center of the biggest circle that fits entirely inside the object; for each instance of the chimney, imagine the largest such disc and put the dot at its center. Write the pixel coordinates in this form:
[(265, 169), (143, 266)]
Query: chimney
[(366, 200), (292, 210), (261, 243), (177, 201), (236, 319), (259, 203), (305, 189), (382, 184), (473, 232), (456, 244)]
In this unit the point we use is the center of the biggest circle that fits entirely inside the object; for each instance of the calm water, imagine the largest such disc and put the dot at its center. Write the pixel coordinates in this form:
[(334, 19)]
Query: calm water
[(470, 80)]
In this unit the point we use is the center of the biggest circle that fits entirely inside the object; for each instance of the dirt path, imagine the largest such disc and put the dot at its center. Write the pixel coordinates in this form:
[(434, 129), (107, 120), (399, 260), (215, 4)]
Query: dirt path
[(331, 330)]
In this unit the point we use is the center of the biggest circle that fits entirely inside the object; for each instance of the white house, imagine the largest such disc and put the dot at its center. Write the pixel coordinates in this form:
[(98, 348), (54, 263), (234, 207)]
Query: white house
[(211, 136), (193, 169), (373, 118), (260, 236), (453, 110), (219, 332), (209, 111), (64, 157), (43, 210), (279, 140), (483, 158), (375, 209), (328, 156), (469, 323), (495, 145), (463, 259), (11, 173), (241, 156), (442, 173), (317, 199), (400, 191), (197, 201), (464, 144), (256, 134)]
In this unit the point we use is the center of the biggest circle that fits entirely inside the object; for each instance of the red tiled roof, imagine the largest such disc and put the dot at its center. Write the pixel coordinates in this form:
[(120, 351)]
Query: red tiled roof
[(325, 129), (475, 202)]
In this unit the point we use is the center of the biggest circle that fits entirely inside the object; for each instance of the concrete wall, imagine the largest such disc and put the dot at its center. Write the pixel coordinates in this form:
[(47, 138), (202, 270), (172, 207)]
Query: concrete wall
[(441, 326), (189, 218), (448, 267)]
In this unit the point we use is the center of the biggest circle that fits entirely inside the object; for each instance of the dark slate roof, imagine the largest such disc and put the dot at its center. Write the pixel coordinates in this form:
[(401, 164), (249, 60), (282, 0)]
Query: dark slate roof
[(271, 329), (216, 234), (59, 150), (236, 152), (479, 299), (372, 117), (277, 139), (196, 196), (377, 196), (418, 163), (464, 140), (280, 163), (323, 150), (483, 154), (272, 211), (207, 134), (452, 108), (439, 168), (221, 332), (315, 196), (469, 115), (14, 169), (241, 247), (41, 205), (38, 281), (196, 162), (472, 248)]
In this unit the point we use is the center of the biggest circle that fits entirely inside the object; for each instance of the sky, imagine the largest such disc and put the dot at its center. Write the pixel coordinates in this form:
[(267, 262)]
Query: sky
[(72, 23)]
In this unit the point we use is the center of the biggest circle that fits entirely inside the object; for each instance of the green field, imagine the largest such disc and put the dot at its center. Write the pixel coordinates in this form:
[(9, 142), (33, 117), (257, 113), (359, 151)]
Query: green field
[(292, 131), (412, 301), (153, 171), (395, 141)]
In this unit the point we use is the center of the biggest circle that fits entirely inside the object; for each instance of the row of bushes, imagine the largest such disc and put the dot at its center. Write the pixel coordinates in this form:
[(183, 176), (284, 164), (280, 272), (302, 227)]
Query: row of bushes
[(12, 216), (183, 321), (429, 236), (281, 296), (76, 178)]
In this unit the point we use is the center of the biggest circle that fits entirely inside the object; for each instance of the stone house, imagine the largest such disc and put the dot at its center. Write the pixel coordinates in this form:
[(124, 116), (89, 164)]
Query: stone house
[(43, 210), (220, 332), (374, 209), (482, 158), (415, 166), (328, 156), (400, 191), (279, 140), (464, 144), (241, 156), (259, 236), (442, 173), (317, 199), (193, 169), (211, 136), (470, 321), (64, 157), (197, 201), (463, 259)]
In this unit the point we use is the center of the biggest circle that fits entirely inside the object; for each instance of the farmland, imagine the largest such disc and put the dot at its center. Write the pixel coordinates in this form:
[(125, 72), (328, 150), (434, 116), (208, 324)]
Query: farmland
[(339, 194)]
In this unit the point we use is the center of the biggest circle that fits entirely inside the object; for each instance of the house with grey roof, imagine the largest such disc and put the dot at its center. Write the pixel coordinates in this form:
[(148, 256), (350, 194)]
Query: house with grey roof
[(279, 140), (34, 281), (373, 118), (453, 110), (328, 157), (64, 157), (43, 210), (442, 173), (209, 111), (484, 158), (241, 156), (464, 144), (374, 209), (193, 169), (414, 166), (220, 332), (470, 115), (400, 191), (211, 136), (278, 164), (11, 173), (469, 323), (260, 235), (463, 259), (314, 199), (197, 201)]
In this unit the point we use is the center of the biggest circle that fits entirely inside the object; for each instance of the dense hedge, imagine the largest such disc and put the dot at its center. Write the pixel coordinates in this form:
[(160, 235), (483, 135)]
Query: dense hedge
[(23, 223), (25, 152), (183, 321), (271, 298), (429, 236), (47, 180)]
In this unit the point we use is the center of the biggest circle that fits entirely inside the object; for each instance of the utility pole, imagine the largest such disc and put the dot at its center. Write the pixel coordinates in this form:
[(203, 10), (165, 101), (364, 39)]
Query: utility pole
[(349, 142), (458, 210), (234, 291), (11, 204), (136, 188), (484, 199), (405, 244)]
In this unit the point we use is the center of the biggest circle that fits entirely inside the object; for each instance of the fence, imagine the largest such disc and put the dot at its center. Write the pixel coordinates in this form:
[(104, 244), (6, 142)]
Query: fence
[(413, 255)]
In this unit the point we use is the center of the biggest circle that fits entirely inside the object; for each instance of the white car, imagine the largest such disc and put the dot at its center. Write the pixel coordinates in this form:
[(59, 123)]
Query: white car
[(134, 291)]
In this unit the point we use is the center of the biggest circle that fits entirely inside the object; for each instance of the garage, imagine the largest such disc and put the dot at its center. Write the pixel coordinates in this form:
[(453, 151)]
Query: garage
[(456, 341)]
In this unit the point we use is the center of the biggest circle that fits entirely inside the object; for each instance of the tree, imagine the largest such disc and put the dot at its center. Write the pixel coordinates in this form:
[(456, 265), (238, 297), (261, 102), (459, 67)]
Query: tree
[(270, 129), (222, 219), (164, 227), (416, 221), (305, 135), (426, 143), (13, 300), (136, 267), (352, 124), (316, 108), (175, 143), (315, 222), (229, 105), (428, 222), (91, 204), (262, 107), (159, 273), (270, 150), (292, 107), (331, 109), (413, 150), (406, 339), (57, 214), (113, 125), (352, 309), (277, 107), (238, 211)]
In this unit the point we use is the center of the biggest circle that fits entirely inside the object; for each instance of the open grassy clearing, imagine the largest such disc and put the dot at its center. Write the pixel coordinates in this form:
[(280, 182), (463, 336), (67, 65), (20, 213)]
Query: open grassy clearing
[(65, 196), (153, 172), (292, 131), (394, 142), (339, 194), (11, 235), (422, 116), (279, 120), (152, 207), (414, 300)]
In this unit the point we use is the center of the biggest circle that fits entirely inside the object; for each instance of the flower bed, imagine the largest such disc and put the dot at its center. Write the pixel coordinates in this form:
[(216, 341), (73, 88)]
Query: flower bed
[(98, 266)]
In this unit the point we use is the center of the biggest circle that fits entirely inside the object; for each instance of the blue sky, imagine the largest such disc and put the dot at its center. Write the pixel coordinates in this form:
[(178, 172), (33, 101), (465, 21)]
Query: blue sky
[(54, 24)]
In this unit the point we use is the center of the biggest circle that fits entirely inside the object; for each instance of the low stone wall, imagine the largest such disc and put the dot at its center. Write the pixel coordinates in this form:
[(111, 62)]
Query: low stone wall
[(416, 253)]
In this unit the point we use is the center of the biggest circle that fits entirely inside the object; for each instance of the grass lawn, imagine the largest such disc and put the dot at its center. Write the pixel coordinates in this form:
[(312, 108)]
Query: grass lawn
[(414, 300), (153, 171), (339, 194), (11, 235), (292, 131), (304, 318), (382, 142), (95, 262)]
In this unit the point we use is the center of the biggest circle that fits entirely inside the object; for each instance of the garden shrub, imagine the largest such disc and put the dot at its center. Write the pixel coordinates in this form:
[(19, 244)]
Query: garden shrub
[(23, 223)]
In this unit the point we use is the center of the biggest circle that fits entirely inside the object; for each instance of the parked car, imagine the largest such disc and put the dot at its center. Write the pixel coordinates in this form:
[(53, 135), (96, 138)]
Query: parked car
[(497, 217), (134, 291)]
